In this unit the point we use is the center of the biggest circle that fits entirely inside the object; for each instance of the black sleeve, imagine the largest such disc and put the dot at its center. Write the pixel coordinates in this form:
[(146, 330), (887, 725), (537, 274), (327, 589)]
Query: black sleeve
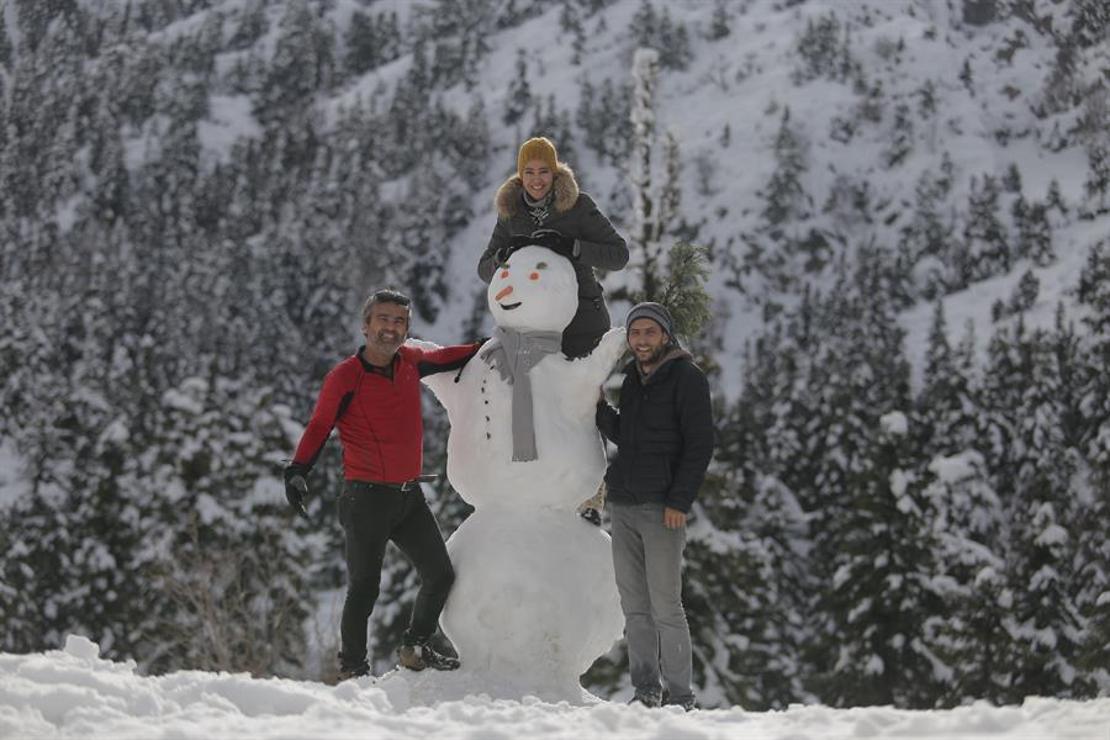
[(599, 244), (608, 420), (443, 359), (487, 263), (695, 421)]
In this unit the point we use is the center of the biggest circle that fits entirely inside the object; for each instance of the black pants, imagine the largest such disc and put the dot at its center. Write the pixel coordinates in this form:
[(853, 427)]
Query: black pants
[(372, 516)]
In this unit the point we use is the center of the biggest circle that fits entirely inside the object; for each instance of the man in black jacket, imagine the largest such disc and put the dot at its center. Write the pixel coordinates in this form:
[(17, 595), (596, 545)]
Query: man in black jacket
[(664, 436)]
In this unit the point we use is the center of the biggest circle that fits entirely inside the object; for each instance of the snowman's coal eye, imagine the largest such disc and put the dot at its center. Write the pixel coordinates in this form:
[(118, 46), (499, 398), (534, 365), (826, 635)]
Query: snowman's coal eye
[(541, 265)]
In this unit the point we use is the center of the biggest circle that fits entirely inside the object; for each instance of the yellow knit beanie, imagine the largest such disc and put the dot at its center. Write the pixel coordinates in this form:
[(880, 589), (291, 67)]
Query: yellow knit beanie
[(541, 148)]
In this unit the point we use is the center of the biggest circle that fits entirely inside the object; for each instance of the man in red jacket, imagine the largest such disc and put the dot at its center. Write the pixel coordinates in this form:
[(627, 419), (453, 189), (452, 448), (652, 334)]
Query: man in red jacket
[(374, 398)]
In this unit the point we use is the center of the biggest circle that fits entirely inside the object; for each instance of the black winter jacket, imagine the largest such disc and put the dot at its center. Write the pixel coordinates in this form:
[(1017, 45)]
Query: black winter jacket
[(663, 432)]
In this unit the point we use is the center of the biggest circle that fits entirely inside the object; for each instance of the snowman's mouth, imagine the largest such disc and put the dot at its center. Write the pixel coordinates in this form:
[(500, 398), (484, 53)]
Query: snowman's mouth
[(510, 306)]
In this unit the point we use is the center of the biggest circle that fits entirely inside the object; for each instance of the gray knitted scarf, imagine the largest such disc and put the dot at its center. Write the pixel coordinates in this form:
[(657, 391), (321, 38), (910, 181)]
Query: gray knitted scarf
[(513, 355)]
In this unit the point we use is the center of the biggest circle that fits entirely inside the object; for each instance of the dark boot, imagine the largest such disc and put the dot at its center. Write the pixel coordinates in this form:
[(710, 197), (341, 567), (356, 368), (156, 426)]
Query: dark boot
[(352, 670), (418, 655), (649, 699), (688, 704)]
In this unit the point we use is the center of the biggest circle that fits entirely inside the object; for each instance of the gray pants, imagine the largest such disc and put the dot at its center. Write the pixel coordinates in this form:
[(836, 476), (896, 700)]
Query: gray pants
[(647, 558)]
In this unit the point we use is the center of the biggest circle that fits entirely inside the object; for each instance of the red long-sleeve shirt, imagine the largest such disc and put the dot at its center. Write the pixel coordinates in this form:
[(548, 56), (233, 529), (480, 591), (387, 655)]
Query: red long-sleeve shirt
[(381, 428)]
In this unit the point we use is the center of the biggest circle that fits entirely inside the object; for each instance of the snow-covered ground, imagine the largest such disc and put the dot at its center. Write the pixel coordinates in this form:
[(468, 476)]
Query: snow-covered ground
[(73, 693)]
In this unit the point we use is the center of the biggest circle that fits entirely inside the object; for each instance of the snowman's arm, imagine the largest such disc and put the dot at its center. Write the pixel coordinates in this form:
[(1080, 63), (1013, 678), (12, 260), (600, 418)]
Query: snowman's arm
[(600, 362)]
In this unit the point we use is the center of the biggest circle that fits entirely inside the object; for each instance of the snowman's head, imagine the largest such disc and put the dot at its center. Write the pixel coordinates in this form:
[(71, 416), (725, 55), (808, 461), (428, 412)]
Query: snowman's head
[(535, 289)]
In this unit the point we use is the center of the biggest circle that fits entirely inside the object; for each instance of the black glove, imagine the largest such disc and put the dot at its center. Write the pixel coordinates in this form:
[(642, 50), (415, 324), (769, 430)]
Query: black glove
[(553, 240), (296, 488), (556, 242), (515, 242)]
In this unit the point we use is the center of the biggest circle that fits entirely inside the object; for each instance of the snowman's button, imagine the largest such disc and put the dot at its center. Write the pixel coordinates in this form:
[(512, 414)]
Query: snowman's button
[(488, 435)]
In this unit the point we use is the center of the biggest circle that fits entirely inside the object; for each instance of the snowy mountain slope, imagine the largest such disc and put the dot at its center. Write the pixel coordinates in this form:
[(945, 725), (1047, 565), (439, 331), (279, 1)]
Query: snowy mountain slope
[(743, 81)]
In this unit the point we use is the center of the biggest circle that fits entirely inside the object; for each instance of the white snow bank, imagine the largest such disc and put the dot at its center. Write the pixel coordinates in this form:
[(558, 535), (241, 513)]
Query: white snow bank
[(73, 693)]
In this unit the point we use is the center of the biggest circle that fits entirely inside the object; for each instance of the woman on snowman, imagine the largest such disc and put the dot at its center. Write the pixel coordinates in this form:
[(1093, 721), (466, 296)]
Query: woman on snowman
[(541, 204)]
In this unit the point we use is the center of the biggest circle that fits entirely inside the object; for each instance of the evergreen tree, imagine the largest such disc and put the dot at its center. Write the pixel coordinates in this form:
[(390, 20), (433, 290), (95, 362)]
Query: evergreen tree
[(1025, 293), (987, 243), (902, 136), (1092, 576), (302, 63), (784, 196), (410, 100), (617, 130), (571, 23), (719, 23), (1096, 119), (518, 96), (1034, 233), (927, 111), (946, 405), (644, 28), (36, 16), (1022, 438), (1011, 180), (5, 44), (587, 118), (966, 634), (1043, 621), (672, 42), (818, 49), (362, 43), (233, 583), (925, 242), (252, 26), (1090, 23), (1054, 199), (871, 547), (473, 147)]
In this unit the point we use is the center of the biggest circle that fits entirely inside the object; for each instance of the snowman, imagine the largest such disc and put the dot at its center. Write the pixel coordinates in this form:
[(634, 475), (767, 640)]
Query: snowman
[(534, 601)]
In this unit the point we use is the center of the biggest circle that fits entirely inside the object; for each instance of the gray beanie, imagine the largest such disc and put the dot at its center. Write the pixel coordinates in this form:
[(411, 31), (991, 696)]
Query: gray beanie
[(654, 311)]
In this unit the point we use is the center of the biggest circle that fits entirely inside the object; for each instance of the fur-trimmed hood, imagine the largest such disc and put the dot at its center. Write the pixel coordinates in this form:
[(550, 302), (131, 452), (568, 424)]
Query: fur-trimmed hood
[(510, 202)]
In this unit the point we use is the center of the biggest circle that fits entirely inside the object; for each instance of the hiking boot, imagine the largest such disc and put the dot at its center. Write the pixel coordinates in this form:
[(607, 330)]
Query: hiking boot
[(649, 699), (420, 655), (593, 516), (355, 671), (688, 704)]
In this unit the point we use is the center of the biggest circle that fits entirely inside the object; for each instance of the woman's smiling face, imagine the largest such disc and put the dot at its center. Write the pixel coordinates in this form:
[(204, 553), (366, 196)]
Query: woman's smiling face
[(537, 178)]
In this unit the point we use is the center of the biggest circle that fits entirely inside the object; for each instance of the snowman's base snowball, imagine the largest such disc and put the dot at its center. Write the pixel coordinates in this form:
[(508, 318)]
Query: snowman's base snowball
[(534, 602)]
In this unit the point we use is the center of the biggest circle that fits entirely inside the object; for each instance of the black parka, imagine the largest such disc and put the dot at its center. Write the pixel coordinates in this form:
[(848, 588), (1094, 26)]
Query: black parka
[(573, 214), (663, 432)]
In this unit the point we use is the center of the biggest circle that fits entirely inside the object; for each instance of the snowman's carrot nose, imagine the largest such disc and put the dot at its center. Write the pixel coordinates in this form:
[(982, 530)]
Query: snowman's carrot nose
[(503, 292)]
